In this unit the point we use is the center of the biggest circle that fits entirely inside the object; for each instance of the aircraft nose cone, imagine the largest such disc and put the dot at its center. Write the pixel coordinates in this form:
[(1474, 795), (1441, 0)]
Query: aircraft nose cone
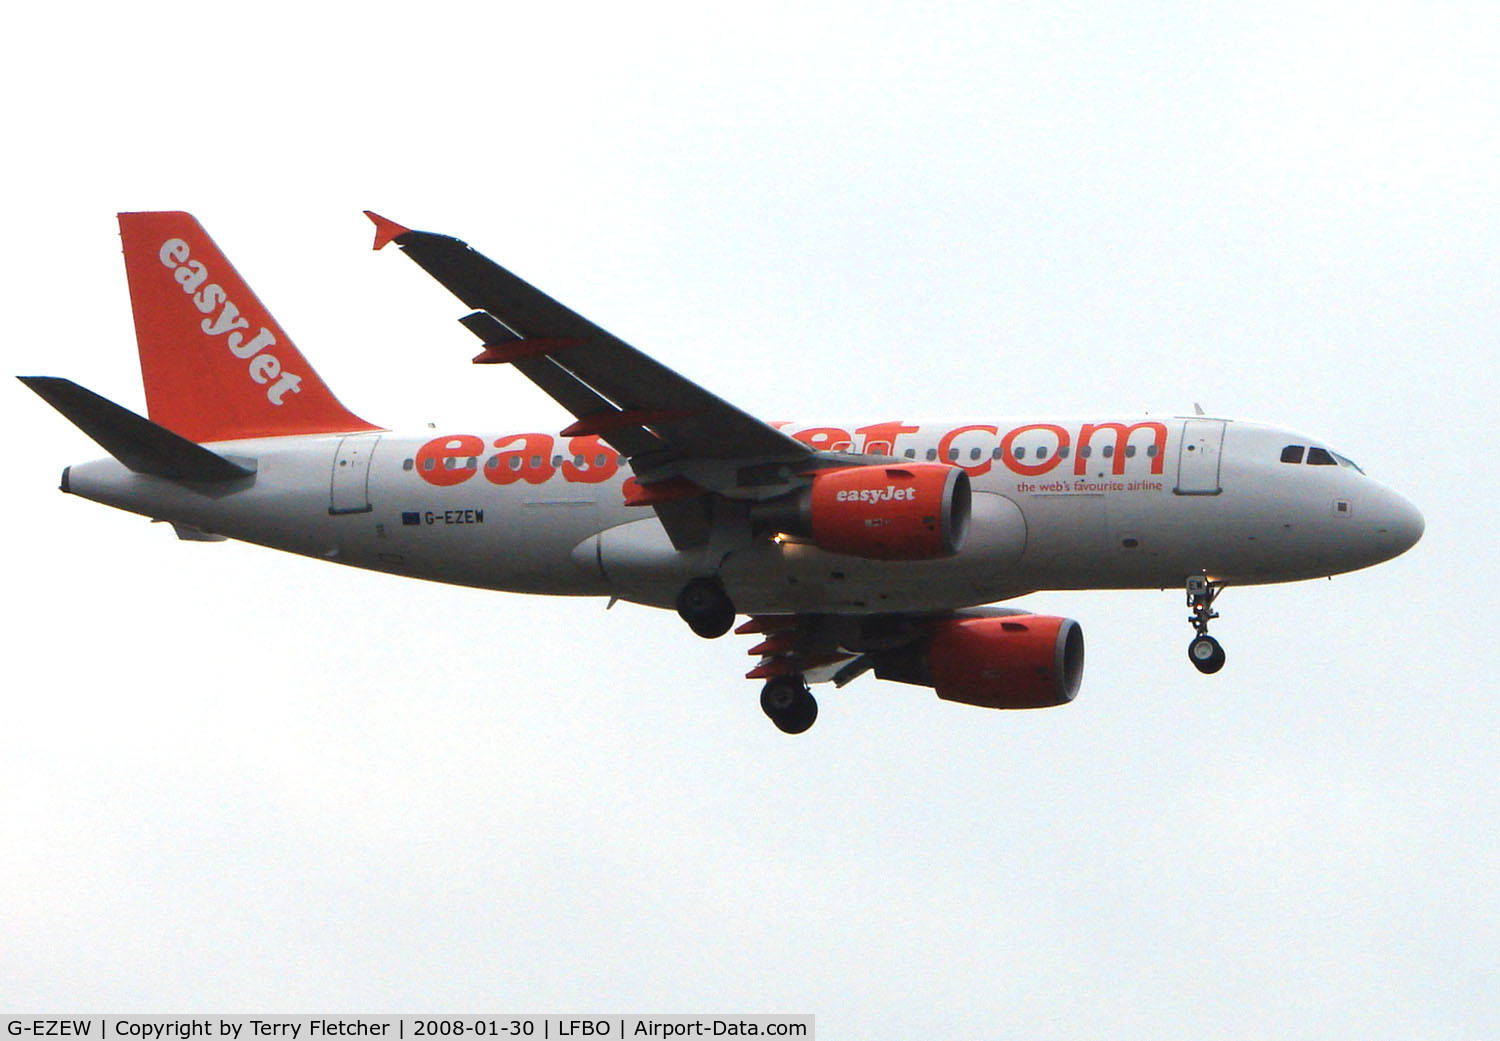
[(1402, 526)]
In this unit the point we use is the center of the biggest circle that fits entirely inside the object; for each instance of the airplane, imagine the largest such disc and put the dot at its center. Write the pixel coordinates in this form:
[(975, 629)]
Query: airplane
[(879, 546)]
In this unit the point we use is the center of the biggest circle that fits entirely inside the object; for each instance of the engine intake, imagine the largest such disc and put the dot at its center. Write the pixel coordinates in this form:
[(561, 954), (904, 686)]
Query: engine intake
[(918, 511)]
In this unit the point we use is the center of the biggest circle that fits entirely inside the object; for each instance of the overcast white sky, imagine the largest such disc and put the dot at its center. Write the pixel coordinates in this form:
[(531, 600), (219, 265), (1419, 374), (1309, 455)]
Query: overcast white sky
[(235, 780)]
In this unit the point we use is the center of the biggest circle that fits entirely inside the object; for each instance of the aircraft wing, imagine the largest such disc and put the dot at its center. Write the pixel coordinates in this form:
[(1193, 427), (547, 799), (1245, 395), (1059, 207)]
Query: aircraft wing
[(646, 411)]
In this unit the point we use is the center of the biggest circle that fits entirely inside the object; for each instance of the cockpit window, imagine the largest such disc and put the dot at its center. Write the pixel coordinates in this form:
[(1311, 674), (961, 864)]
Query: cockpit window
[(1317, 457)]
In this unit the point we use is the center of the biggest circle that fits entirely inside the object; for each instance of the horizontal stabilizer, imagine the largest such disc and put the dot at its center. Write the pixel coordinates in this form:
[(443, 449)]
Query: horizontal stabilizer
[(143, 446)]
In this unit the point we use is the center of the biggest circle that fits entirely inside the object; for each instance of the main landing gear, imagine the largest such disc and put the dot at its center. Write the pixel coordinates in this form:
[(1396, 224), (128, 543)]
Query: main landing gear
[(706, 608), (1204, 651), (789, 704)]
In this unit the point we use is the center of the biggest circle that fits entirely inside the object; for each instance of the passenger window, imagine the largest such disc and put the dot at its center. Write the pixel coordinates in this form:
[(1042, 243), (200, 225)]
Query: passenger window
[(515, 462), (1109, 451), (931, 454), (408, 464), (1130, 451), (492, 463), (578, 460), (1020, 451), (1292, 454), (911, 453), (952, 455), (1085, 451), (1041, 452), (1320, 457), (471, 463), (429, 463), (1151, 450), (600, 460), (974, 454), (1063, 451)]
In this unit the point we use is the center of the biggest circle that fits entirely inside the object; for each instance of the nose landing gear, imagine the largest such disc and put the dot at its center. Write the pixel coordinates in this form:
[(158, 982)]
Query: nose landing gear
[(1204, 651)]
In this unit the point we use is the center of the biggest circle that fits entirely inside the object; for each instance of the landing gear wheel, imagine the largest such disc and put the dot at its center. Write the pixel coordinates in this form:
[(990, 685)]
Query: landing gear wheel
[(789, 704), (706, 608), (1206, 654)]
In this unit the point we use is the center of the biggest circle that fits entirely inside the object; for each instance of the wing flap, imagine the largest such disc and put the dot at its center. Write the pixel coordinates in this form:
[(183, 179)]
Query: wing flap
[(562, 386)]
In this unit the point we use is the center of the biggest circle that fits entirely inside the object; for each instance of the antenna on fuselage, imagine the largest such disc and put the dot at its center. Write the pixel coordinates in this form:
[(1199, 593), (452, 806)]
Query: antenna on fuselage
[(1198, 410)]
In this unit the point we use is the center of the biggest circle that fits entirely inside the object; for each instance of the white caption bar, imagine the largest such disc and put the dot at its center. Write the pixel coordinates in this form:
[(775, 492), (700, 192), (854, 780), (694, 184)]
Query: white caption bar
[(95, 1027)]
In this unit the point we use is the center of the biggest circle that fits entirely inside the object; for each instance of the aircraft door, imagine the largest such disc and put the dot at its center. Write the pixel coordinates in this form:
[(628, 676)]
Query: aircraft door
[(350, 483), (1198, 457)]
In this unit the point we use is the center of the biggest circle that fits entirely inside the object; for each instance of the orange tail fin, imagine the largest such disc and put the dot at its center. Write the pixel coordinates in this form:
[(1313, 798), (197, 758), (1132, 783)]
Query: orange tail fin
[(216, 365)]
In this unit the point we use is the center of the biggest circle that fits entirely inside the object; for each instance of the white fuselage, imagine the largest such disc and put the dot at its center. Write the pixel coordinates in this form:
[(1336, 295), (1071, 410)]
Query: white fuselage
[(1059, 503)]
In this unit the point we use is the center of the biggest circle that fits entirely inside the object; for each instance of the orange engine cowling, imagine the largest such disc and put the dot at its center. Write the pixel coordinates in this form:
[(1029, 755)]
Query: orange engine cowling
[(918, 511), (1004, 661)]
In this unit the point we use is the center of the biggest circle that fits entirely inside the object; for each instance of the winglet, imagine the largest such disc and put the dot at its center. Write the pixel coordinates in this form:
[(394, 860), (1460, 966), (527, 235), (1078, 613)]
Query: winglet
[(385, 230)]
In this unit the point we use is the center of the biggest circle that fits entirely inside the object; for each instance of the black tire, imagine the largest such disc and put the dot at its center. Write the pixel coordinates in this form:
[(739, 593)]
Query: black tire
[(1206, 654), (789, 704), (803, 717), (706, 608)]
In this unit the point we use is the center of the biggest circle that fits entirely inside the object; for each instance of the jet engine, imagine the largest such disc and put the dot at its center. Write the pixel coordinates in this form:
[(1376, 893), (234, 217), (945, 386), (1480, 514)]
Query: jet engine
[(1007, 661), (918, 511)]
